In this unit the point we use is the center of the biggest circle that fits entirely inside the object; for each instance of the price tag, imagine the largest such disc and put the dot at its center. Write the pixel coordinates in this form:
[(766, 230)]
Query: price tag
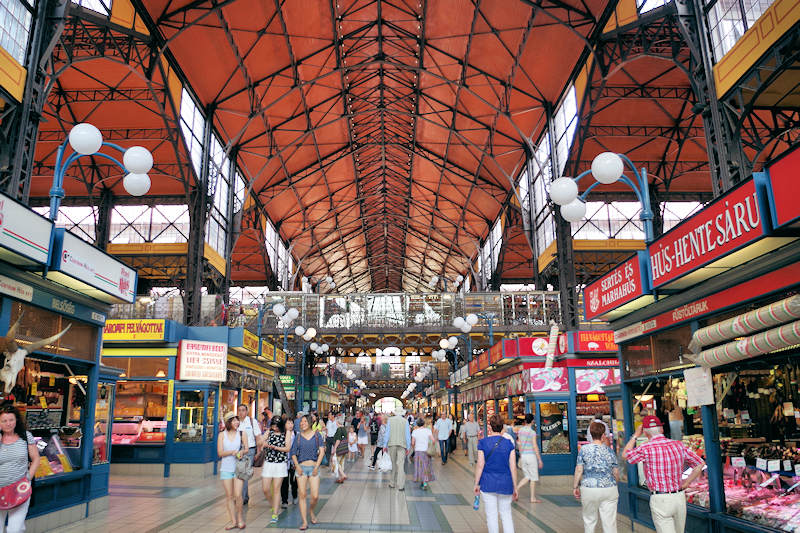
[(787, 465), (773, 465), (770, 480), (34, 389), (738, 462), (52, 381), (761, 464), (797, 469), (43, 402)]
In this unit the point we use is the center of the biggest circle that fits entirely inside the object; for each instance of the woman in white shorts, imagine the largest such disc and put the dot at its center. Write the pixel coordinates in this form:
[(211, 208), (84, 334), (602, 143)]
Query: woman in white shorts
[(363, 435), (275, 466)]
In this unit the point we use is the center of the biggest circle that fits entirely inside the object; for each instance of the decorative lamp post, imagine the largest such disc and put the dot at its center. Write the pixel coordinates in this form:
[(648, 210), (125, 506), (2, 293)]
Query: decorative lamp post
[(86, 140), (607, 168), (434, 281)]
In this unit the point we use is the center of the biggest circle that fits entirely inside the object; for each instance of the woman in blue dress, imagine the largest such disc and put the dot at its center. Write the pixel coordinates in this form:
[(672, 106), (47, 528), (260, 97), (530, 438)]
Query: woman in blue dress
[(496, 476)]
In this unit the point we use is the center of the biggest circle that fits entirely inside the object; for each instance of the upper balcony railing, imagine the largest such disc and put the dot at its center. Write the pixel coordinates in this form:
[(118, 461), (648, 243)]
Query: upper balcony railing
[(531, 310)]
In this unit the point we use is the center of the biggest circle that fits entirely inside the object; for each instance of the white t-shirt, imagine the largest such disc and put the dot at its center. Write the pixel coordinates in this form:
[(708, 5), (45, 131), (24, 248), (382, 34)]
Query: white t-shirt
[(421, 438), (247, 427)]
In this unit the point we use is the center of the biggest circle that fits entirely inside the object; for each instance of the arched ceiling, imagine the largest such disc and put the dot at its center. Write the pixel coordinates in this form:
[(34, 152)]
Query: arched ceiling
[(382, 138)]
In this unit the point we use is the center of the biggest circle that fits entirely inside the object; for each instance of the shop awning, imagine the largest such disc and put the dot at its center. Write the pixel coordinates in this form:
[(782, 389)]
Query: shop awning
[(753, 346), (764, 317)]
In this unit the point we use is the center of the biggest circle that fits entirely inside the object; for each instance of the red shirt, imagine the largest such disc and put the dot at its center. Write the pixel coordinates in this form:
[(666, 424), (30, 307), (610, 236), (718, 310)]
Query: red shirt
[(663, 462)]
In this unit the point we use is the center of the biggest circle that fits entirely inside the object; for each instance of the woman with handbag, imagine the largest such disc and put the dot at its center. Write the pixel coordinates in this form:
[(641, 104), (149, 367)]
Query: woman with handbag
[(340, 448), (307, 454), (19, 460), (422, 442), (496, 476), (290, 481), (230, 449), (275, 467)]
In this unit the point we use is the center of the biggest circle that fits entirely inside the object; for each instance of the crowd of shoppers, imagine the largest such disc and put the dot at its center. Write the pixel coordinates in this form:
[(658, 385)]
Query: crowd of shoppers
[(293, 451)]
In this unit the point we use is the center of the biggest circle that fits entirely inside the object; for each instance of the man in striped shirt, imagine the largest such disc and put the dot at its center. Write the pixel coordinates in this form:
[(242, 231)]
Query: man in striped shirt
[(664, 461)]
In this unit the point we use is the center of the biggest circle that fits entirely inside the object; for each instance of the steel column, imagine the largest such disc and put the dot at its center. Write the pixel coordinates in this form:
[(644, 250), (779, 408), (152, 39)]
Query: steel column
[(198, 215), (103, 225)]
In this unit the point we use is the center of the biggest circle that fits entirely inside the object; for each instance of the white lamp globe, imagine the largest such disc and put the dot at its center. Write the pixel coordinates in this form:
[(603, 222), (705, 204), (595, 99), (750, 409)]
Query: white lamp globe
[(85, 138), (444, 344), (607, 167), (573, 211), (279, 309), (136, 184), (138, 160), (472, 319), (311, 332), (299, 331), (459, 278), (325, 347), (292, 313), (434, 280), (563, 191), (329, 279), (333, 284), (453, 341), (459, 322), (314, 346), (466, 328)]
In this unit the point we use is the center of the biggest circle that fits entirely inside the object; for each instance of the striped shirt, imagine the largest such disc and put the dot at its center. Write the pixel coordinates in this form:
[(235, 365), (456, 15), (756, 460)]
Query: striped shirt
[(664, 461), (526, 440)]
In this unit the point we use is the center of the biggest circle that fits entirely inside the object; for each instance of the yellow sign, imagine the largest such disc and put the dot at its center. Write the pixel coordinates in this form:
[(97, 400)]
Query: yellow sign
[(170, 394), (280, 357), (250, 342), (43, 402), (134, 330), (267, 351)]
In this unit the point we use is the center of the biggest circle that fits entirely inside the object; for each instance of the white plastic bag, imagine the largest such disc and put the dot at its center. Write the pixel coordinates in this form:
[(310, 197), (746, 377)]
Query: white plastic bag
[(384, 462)]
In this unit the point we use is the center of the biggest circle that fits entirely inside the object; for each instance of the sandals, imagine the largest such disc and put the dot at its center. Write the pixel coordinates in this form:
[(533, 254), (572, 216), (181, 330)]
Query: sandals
[(303, 528), (228, 528)]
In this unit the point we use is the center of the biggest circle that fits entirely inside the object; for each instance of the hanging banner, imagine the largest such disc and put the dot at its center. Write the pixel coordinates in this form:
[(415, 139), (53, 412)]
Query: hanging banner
[(625, 283), (725, 225), (595, 341), (202, 360), (784, 190), (249, 342)]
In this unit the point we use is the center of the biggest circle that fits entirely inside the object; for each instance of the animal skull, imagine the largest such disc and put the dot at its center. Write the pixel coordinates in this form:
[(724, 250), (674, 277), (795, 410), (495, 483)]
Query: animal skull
[(15, 356)]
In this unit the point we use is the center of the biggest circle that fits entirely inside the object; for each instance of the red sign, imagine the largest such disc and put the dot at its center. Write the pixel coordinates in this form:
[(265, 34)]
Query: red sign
[(473, 367), (727, 224), (511, 348), (594, 363), (785, 189), (620, 286), (495, 353), (595, 341), (760, 286), (483, 360)]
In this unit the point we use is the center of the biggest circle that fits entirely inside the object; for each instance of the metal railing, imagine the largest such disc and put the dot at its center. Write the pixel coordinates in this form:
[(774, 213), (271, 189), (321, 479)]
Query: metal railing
[(373, 311)]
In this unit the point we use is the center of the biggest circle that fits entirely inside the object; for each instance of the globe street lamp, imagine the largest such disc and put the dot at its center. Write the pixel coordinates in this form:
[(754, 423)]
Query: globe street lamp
[(86, 140), (607, 168), (436, 279)]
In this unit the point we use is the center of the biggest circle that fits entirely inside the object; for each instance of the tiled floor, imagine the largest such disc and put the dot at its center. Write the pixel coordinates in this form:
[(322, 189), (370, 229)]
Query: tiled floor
[(364, 503)]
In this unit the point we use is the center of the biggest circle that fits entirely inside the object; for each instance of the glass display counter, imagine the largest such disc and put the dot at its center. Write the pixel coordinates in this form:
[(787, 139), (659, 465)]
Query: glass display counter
[(588, 407), (554, 428), (189, 416), (142, 399)]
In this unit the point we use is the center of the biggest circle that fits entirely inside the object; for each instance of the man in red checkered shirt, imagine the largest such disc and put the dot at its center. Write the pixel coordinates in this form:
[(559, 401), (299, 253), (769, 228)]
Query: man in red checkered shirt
[(664, 461)]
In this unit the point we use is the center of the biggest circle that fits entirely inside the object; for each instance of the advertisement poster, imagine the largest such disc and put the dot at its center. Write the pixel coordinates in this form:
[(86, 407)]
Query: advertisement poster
[(548, 379), (593, 380), (202, 360)]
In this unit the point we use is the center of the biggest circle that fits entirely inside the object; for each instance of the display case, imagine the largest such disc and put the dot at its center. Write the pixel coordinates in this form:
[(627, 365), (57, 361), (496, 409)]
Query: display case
[(554, 427), (619, 439), (589, 407), (54, 457), (102, 423), (189, 416), (141, 399), (502, 410)]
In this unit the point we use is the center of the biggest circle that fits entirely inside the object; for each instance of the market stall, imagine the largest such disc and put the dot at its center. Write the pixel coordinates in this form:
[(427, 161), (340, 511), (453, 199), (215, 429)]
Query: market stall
[(54, 296), (731, 311), (163, 420)]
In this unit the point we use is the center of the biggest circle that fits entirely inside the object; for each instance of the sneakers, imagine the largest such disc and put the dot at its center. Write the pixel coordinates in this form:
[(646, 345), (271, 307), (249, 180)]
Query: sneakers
[(294, 502), (274, 519), (284, 505), (371, 467)]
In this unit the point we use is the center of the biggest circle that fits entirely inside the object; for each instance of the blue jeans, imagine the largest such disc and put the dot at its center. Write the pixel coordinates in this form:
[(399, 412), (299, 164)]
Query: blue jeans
[(443, 448)]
